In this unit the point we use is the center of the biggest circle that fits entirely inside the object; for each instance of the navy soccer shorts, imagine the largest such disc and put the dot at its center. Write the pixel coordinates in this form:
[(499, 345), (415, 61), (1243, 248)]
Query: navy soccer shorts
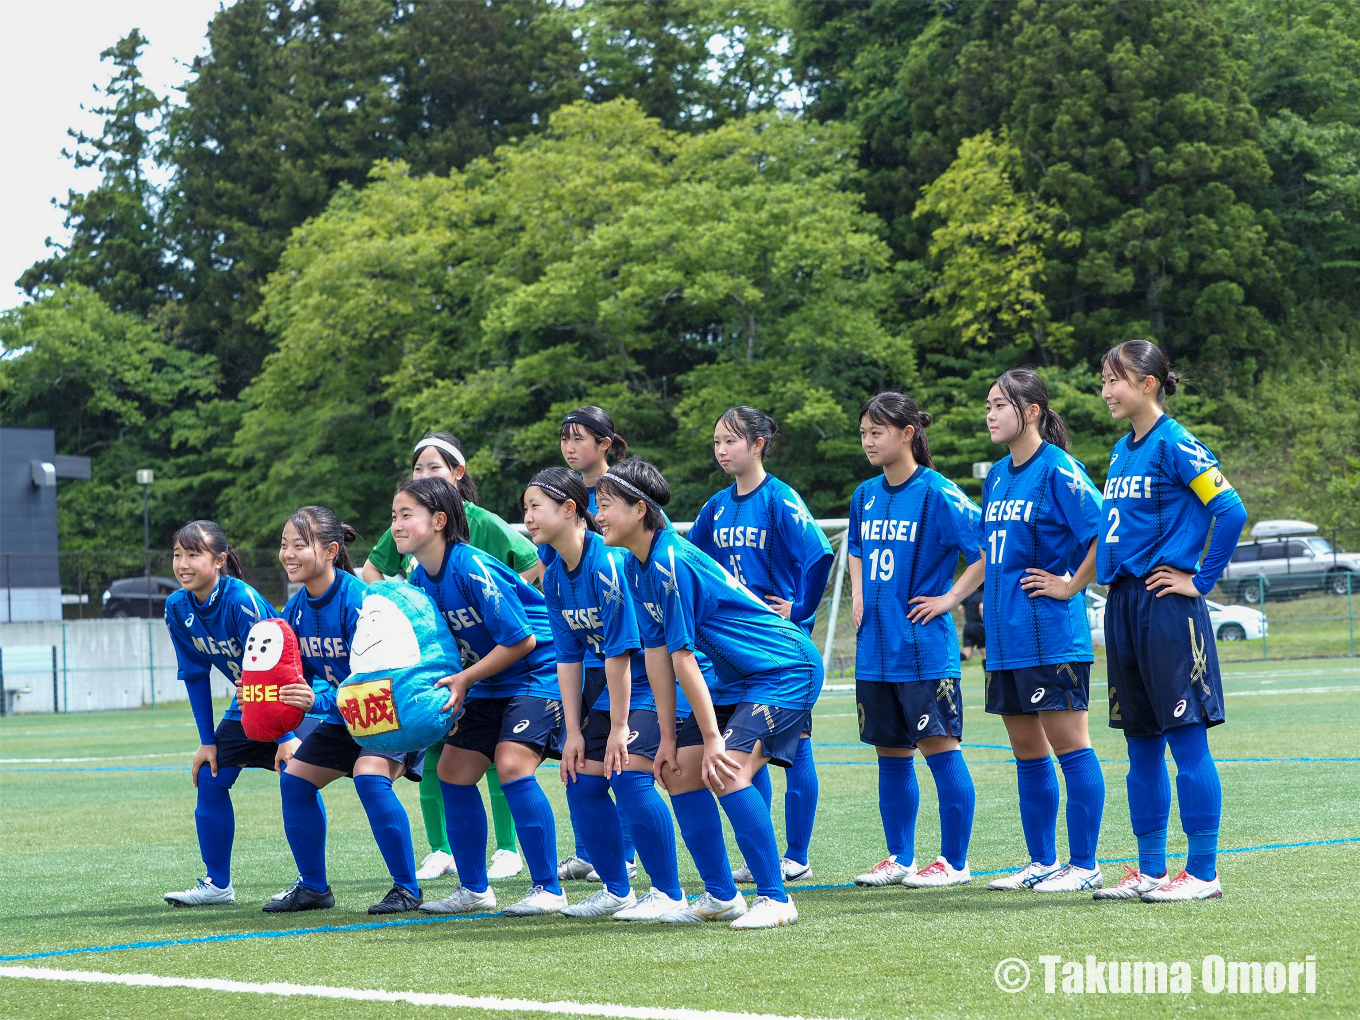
[(644, 733), (536, 723), (898, 714), (1163, 663), (329, 746), (743, 725), (236, 750), (1058, 687)]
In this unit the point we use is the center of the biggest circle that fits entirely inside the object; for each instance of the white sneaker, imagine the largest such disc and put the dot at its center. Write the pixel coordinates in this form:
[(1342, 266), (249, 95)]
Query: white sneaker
[(767, 913), (887, 872), (601, 902), (706, 908), (594, 875), (649, 907), (462, 901), (1185, 887), (537, 901), (1132, 886), (1070, 878), (793, 872), (1026, 878), (504, 864), (938, 875), (573, 869), (436, 864), (202, 895)]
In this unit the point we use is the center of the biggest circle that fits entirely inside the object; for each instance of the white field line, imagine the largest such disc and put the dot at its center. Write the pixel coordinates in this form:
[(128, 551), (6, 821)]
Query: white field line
[(1290, 690), (487, 1002), (110, 757)]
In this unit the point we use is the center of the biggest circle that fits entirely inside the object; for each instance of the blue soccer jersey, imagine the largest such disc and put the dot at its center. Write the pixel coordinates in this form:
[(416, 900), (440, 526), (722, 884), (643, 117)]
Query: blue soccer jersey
[(213, 634), (324, 628), (1161, 497), (769, 542), (486, 604), (909, 538), (1041, 514), (593, 617), (692, 602)]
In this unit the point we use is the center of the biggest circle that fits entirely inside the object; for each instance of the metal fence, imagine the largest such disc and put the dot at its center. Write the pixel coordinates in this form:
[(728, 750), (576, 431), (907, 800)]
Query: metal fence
[(1286, 616)]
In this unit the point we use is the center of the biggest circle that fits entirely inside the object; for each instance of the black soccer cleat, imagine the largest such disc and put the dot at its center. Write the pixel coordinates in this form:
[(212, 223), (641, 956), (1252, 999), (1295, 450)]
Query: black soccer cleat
[(398, 901), (300, 898)]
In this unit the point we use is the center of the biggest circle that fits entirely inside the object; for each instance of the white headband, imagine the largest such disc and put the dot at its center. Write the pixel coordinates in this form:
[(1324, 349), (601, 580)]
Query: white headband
[(439, 444)]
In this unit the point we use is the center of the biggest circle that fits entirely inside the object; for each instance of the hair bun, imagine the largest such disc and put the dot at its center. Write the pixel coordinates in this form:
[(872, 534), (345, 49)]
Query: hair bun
[(926, 420), (348, 531), (1172, 381)]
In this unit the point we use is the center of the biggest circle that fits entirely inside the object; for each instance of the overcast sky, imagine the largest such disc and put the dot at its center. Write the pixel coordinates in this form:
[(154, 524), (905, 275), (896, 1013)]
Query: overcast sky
[(49, 65)]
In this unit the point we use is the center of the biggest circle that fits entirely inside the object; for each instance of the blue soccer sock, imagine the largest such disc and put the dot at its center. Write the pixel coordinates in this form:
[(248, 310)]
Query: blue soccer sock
[(391, 828), (597, 821), (761, 781), (1200, 794), (216, 822), (1085, 804), (954, 787), (1149, 789), (578, 840), (537, 829), (629, 850), (465, 821), (649, 820), (800, 802), (899, 799), (701, 829), (750, 818), (1038, 785), (304, 823)]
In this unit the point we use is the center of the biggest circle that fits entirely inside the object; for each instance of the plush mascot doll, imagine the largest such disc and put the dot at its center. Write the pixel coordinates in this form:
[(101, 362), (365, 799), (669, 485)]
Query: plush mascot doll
[(270, 662), (400, 648)]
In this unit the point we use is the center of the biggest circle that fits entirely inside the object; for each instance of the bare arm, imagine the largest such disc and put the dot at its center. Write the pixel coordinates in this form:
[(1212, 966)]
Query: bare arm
[(856, 566), (1040, 582), (925, 608), (499, 658), (569, 683)]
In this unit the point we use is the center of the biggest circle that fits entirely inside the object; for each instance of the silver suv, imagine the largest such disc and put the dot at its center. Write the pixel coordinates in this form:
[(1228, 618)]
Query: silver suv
[(1287, 558)]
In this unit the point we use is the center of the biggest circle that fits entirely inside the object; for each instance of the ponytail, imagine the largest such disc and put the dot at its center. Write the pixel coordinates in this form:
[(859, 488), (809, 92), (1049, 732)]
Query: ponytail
[(208, 536), (1135, 360), (597, 422), (1023, 389), (750, 424), (316, 524), (898, 411)]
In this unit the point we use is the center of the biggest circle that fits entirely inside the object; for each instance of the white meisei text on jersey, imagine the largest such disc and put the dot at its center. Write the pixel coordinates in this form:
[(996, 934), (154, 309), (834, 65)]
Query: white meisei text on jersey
[(888, 530), (1129, 487), (739, 537), (1010, 510)]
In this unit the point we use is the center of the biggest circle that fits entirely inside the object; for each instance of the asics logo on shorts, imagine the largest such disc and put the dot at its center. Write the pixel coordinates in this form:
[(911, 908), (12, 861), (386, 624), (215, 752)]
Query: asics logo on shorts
[(1180, 708), (632, 735), (921, 722), (727, 733), (1037, 696), (521, 726)]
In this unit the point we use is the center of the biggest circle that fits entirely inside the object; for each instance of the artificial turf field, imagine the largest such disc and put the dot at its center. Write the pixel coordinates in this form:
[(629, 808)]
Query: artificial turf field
[(88, 846)]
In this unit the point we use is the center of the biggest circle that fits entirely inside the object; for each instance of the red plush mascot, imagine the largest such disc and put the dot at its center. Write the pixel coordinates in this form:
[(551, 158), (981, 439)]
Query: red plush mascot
[(270, 662)]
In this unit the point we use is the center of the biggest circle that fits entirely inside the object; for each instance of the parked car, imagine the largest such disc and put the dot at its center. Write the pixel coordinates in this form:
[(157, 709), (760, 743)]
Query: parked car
[(127, 597), (1283, 558), (1230, 623)]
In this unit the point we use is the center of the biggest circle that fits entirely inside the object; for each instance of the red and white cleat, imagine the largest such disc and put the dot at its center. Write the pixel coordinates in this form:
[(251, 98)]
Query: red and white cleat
[(1185, 887), (938, 875), (887, 872), (1132, 886)]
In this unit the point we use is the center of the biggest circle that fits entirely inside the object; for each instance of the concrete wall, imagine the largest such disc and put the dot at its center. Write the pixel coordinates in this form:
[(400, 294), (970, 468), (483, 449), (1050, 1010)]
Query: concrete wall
[(100, 665)]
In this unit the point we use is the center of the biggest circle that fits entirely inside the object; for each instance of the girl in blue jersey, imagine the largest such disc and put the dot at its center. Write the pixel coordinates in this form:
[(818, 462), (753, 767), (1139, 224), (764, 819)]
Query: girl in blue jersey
[(760, 530), (208, 620), (1040, 515), (505, 700), (595, 628), (1164, 497), (324, 615), (766, 677), (908, 528)]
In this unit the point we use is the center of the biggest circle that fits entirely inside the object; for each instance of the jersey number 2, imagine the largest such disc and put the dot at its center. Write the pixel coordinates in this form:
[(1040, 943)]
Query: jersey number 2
[(1110, 535)]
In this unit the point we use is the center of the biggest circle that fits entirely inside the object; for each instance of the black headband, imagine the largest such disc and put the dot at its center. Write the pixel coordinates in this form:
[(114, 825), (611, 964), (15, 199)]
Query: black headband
[(553, 491), (630, 487), (589, 424)]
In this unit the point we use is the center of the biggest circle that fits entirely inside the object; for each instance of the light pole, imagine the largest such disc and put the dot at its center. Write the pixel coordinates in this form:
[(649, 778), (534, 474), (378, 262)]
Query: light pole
[(144, 479)]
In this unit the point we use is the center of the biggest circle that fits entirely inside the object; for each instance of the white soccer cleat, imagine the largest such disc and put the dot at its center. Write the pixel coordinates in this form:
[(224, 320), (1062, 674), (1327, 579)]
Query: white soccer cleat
[(938, 875), (436, 864), (1070, 878), (594, 875), (1131, 886), (886, 872), (205, 894), (767, 913), (504, 864), (649, 907), (462, 901), (537, 901), (601, 902), (706, 908), (793, 872), (1026, 878), (1185, 887), (573, 869)]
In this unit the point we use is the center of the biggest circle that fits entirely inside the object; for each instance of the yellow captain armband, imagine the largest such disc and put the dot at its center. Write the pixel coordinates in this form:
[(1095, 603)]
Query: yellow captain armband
[(1209, 484)]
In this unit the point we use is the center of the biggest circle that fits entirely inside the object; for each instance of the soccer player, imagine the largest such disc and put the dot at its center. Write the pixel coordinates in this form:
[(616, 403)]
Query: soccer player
[(612, 741), (324, 615), (440, 455), (505, 699), (766, 677), (1164, 497), (760, 530), (209, 619), (908, 527), (1040, 517)]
